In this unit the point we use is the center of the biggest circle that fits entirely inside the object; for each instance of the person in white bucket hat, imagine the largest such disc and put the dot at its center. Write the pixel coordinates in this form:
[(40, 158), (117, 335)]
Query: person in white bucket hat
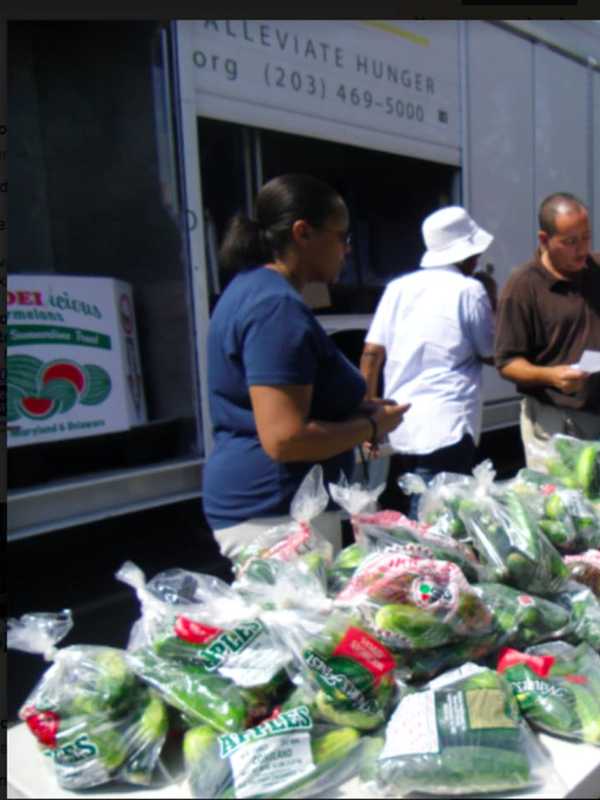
[(451, 236), (432, 331)]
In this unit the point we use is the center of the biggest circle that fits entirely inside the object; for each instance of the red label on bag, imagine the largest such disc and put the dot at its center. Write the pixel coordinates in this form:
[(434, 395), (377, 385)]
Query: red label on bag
[(44, 725), (541, 665), (195, 632), (581, 679), (367, 651)]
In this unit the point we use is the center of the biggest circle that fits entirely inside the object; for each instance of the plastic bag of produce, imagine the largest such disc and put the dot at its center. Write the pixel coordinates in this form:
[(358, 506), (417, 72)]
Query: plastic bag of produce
[(566, 516), (423, 665), (505, 534), (576, 463), (520, 618), (290, 755), (557, 688), (462, 734), (421, 541), (296, 540), (355, 498), (377, 530), (344, 566), (203, 648), (585, 568), (93, 719), (269, 583), (439, 501), (341, 671), (414, 603), (584, 609)]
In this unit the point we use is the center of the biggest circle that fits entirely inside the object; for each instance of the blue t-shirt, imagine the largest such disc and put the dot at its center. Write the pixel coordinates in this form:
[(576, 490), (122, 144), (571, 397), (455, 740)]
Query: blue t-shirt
[(262, 333)]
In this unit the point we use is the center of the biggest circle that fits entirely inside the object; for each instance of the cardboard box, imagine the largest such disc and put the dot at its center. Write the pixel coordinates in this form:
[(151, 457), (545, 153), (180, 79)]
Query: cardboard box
[(73, 365)]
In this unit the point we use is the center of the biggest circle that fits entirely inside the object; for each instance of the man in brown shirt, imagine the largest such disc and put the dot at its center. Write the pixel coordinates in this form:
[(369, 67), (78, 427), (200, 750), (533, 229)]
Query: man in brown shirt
[(548, 314)]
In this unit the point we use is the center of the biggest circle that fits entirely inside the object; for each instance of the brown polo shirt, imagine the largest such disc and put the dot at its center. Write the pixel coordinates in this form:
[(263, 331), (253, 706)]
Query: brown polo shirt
[(550, 322)]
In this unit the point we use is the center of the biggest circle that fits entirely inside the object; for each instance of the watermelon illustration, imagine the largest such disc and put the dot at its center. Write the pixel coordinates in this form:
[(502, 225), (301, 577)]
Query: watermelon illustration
[(65, 371), (63, 392), (37, 390), (97, 385), (23, 373), (37, 407), (13, 396)]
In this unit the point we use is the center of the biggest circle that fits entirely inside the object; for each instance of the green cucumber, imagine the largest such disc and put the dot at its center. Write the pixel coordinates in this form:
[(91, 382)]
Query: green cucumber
[(587, 470)]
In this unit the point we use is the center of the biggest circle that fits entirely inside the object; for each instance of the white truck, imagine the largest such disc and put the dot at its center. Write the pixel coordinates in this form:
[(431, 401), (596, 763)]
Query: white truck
[(404, 116)]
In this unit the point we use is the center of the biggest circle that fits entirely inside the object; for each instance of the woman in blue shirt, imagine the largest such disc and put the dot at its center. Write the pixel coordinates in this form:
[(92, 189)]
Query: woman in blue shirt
[(282, 396)]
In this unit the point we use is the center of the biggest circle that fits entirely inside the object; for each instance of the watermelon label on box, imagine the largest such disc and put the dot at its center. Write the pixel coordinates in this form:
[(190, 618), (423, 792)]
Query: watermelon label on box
[(72, 358)]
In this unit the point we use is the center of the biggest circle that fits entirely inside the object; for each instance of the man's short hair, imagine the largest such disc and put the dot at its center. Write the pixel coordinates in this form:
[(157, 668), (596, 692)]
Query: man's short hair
[(554, 204)]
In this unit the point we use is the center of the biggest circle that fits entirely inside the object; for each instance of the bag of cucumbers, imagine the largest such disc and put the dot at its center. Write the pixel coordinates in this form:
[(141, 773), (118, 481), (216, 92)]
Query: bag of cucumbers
[(289, 755), (376, 530), (93, 719), (557, 688), (423, 665), (296, 540), (522, 619), (584, 610), (414, 603), (344, 566), (342, 672), (576, 463), (519, 619), (203, 648), (461, 734), (506, 536), (439, 501), (566, 516), (423, 542)]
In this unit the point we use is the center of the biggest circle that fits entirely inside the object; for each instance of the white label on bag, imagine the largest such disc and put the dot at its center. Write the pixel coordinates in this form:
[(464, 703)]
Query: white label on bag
[(257, 664), (269, 765), (412, 728)]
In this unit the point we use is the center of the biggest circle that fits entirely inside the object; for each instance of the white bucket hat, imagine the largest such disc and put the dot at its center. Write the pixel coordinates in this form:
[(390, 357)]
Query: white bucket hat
[(450, 236)]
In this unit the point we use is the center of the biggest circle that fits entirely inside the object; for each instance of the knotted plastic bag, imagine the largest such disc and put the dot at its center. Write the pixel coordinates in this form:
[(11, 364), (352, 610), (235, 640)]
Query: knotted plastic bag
[(203, 648), (506, 536), (557, 688), (93, 719), (296, 539)]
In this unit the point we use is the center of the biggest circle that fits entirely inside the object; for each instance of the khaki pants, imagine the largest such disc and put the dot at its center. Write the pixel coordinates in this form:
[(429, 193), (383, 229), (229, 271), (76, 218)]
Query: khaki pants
[(540, 421), (232, 540)]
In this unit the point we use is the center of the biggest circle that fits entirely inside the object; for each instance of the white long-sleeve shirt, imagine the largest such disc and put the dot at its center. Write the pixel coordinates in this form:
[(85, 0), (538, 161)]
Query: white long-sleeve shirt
[(434, 324)]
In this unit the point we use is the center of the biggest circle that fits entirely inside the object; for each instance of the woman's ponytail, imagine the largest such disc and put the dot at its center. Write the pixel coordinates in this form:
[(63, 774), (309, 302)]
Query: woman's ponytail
[(280, 202), (244, 245)]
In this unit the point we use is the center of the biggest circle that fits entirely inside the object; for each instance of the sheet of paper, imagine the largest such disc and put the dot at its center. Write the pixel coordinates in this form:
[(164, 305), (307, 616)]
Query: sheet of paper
[(589, 361)]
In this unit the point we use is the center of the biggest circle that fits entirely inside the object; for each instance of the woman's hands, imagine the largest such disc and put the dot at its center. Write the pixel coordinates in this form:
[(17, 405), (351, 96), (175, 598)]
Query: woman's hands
[(387, 415), (287, 434)]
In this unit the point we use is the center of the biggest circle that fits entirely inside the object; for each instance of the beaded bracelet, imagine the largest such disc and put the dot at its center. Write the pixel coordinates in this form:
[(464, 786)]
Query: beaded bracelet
[(374, 429)]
